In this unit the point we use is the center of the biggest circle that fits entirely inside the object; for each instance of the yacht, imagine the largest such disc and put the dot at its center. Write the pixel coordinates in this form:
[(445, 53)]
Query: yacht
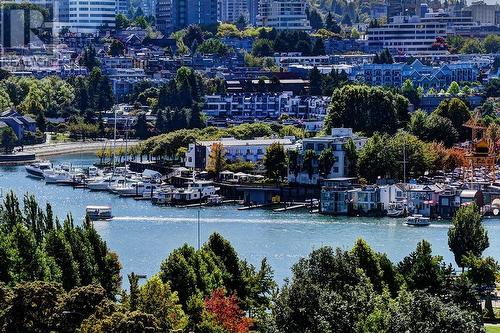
[(134, 189), (100, 183), (55, 176), (418, 220), (37, 169), (196, 191), (163, 196)]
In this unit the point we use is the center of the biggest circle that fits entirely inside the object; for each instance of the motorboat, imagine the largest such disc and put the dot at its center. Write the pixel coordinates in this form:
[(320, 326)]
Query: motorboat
[(96, 213), (100, 183), (396, 209), (37, 169), (155, 190), (214, 200), (163, 196), (54, 176), (134, 189), (196, 191), (418, 220)]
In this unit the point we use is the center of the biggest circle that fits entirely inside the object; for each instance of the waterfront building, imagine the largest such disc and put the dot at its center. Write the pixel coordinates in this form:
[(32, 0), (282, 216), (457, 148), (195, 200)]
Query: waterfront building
[(336, 195), (173, 15), (265, 106), (421, 75), (423, 199), (337, 140), (283, 14), (235, 150)]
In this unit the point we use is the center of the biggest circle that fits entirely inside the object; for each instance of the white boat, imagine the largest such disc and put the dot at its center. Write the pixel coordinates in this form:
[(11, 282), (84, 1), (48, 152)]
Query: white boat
[(134, 189), (418, 220), (100, 183), (55, 176), (196, 191), (99, 212), (37, 169), (214, 200), (396, 209), (163, 196)]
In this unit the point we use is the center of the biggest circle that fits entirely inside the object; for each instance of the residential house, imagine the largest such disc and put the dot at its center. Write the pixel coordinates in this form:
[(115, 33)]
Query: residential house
[(336, 195), (423, 199), (336, 141), (20, 124)]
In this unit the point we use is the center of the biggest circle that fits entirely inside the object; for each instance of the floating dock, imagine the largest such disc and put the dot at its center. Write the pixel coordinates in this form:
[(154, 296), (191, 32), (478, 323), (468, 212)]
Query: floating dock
[(284, 209)]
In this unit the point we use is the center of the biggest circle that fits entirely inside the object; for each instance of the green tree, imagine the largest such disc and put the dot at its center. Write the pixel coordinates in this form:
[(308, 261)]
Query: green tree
[(9, 139), (331, 24), (366, 109), (263, 48), (308, 162), (315, 20), (216, 159), (116, 48), (453, 89), (457, 111), (467, 234), (326, 160), (141, 127), (315, 82), (275, 161), (157, 298), (491, 43), (319, 47), (472, 45), (423, 271), (121, 21)]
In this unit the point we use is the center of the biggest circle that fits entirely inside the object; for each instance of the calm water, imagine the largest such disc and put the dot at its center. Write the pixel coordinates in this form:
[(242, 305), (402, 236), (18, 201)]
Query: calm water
[(143, 235)]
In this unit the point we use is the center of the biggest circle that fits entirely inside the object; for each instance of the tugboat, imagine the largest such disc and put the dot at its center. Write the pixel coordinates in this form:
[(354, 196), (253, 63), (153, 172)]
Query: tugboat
[(418, 220)]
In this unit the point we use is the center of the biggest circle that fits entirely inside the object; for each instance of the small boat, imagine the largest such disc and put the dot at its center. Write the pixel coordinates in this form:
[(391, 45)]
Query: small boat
[(396, 209), (37, 169), (163, 196), (134, 189), (96, 213), (54, 176), (196, 191), (418, 220), (214, 200)]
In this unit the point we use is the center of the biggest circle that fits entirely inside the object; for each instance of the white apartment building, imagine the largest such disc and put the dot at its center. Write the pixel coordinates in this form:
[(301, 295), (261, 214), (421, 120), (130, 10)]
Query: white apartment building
[(88, 16), (337, 140), (408, 35), (231, 10), (253, 150), (283, 14)]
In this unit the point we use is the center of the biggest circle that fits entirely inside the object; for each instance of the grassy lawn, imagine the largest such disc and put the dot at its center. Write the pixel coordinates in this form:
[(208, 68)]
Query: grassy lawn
[(60, 137), (492, 329)]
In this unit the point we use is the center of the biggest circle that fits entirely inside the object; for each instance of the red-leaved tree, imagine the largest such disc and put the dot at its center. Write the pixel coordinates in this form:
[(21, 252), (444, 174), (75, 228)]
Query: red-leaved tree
[(226, 312)]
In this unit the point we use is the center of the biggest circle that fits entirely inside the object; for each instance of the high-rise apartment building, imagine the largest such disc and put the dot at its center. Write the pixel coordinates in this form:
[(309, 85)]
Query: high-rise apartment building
[(231, 10), (483, 13), (172, 15), (88, 16), (283, 14)]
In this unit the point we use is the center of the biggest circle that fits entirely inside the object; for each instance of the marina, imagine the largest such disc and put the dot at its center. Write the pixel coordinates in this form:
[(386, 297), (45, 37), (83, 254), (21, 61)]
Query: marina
[(143, 234)]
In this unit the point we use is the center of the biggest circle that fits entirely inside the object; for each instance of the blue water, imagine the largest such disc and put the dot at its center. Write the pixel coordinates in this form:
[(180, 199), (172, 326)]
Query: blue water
[(143, 235)]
